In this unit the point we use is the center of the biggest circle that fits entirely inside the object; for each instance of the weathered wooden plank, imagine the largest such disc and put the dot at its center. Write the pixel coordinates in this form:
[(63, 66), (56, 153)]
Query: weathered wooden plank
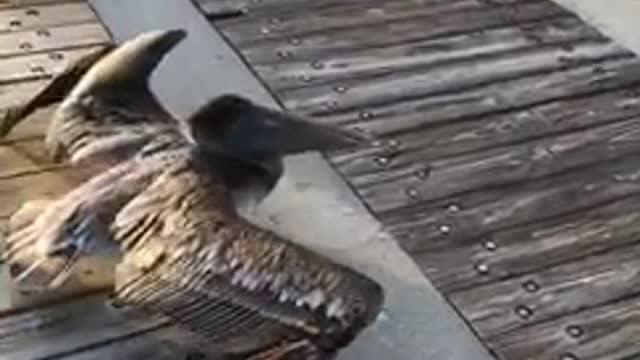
[(273, 7), (56, 38), (493, 130), (603, 333), (593, 281), (33, 183), (450, 77), (23, 4), (16, 93), (34, 127), (493, 98), (521, 229), (329, 18), (507, 165), (415, 113), (539, 247), (323, 43), (39, 65), (20, 155), (23, 157), (425, 54), (44, 16), (69, 330), (285, 8)]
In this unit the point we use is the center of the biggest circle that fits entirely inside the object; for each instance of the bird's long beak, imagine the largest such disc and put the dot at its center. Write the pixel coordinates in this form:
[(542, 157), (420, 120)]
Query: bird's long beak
[(269, 131)]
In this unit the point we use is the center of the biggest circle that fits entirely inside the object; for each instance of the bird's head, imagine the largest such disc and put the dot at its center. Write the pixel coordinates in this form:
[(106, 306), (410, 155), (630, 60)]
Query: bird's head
[(257, 138), (259, 134)]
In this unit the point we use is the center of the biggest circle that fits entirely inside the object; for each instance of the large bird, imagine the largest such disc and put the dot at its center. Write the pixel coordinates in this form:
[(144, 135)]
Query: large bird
[(186, 253), (108, 111)]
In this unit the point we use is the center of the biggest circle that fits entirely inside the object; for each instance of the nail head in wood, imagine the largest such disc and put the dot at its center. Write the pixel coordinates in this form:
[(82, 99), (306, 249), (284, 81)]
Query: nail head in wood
[(574, 331), (482, 268), (531, 286), (524, 312), (490, 245)]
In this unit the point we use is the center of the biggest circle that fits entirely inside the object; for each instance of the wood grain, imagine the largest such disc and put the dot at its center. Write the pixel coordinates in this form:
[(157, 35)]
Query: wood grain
[(608, 332), (430, 54), (527, 227), (56, 38), (506, 155), (71, 329), (568, 288), (44, 16), (354, 32), (39, 65)]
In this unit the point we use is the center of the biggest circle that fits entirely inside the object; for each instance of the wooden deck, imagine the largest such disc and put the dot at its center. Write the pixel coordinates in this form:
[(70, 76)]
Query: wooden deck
[(37, 39), (509, 159), (509, 165)]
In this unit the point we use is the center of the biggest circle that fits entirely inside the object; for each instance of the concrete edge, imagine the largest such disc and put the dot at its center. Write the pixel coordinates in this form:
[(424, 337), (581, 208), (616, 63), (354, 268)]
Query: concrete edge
[(616, 19)]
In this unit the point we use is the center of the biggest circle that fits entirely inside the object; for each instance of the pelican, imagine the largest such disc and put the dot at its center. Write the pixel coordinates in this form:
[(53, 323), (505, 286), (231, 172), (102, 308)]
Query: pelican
[(185, 253)]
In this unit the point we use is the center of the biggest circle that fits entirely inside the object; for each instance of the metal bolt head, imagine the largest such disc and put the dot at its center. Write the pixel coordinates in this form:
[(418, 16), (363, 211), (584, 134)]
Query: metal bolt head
[(284, 54), (453, 208), (340, 89), (317, 65), (444, 229), (482, 268), (39, 69), (424, 173), (56, 56), (32, 12), (305, 78), (531, 286), (412, 193), (331, 104), (43, 32), (26, 46), (364, 115), (490, 245), (265, 30), (14, 23), (574, 331), (393, 143), (382, 160), (523, 312)]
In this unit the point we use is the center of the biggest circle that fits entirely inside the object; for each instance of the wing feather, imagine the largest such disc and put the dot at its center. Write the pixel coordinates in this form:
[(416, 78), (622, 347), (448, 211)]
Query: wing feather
[(226, 279)]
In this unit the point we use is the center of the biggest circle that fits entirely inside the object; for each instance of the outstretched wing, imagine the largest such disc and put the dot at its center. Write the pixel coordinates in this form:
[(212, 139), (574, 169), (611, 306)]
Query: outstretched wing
[(189, 257), (46, 238), (56, 90)]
